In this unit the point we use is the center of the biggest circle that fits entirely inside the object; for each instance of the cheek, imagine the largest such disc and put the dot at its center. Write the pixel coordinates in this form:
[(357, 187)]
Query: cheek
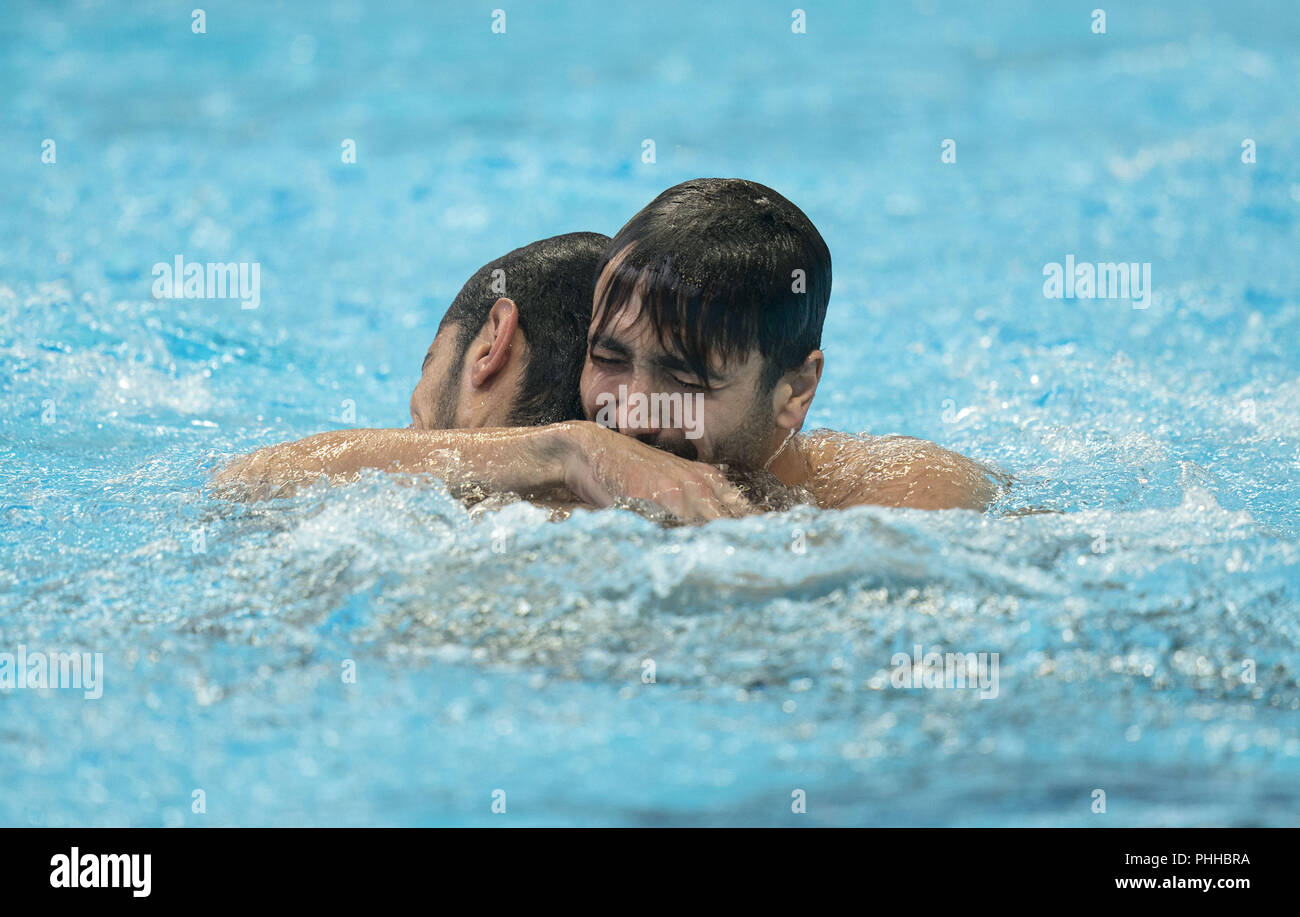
[(419, 398), (597, 379), (723, 420), (426, 400), (587, 390)]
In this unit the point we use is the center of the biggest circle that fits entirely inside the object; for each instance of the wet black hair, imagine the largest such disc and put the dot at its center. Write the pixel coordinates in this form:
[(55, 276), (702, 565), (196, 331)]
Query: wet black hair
[(715, 262), (551, 283)]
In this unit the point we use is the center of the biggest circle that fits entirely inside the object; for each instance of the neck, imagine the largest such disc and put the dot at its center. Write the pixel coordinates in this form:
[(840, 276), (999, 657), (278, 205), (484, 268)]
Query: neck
[(787, 461)]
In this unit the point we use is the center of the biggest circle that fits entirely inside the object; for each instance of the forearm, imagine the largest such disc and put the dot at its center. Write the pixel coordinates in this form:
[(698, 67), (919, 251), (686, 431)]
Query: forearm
[(579, 460), (523, 460)]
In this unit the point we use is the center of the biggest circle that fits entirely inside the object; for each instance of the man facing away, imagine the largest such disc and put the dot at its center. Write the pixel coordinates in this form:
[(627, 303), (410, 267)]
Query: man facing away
[(716, 291), (508, 351)]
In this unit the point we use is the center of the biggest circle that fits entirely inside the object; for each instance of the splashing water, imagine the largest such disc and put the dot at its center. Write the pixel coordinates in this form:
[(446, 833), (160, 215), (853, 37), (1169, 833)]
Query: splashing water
[(1139, 584)]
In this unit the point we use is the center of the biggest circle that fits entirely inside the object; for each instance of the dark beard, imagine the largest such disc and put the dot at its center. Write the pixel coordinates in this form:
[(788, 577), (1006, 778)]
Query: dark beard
[(742, 451), (766, 492), (444, 412)]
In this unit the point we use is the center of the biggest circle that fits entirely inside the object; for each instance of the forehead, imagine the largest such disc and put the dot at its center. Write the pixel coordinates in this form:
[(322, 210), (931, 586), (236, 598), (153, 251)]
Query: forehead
[(625, 326), (626, 331), (629, 333)]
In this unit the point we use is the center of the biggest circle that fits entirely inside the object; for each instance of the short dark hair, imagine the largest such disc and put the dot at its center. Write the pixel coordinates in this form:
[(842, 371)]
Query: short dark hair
[(551, 282), (714, 260)]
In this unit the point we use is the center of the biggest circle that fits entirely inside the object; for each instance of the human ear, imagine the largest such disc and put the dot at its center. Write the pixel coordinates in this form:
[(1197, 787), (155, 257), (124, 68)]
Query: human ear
[(491, 350), (793, 394)]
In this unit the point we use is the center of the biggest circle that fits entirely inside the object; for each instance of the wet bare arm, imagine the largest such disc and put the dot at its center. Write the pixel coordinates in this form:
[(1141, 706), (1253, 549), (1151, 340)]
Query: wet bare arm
[(525, 460), (897, 471), (576, 460)]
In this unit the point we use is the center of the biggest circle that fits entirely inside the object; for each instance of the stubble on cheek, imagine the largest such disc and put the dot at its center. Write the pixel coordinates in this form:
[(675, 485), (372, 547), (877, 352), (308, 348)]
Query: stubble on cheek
[(744, 448), (444, 410)]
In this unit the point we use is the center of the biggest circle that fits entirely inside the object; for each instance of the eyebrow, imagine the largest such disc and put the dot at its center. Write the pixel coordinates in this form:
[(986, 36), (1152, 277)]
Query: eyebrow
[(427, 357), (663, 361), (676, 364), (605, 342)]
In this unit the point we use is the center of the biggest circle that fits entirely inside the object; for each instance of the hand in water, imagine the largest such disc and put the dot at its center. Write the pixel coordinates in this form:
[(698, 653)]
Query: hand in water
[(603, 466)]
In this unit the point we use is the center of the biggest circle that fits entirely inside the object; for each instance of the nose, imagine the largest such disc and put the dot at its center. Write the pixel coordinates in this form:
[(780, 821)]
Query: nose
[(636, 415)]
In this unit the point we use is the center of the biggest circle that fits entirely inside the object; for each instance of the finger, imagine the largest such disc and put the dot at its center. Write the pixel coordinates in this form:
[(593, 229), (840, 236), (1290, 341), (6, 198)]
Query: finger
[(709, 509), (677, 504), (595, 493), (729, 498), (704, 504)]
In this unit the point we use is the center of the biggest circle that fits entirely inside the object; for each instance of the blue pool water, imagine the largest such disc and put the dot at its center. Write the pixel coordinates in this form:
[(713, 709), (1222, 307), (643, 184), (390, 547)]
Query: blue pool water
[(1164, 442)]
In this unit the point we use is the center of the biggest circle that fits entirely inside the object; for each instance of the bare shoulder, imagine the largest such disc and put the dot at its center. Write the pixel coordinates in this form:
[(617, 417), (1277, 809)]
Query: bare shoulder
[(893, 470)]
